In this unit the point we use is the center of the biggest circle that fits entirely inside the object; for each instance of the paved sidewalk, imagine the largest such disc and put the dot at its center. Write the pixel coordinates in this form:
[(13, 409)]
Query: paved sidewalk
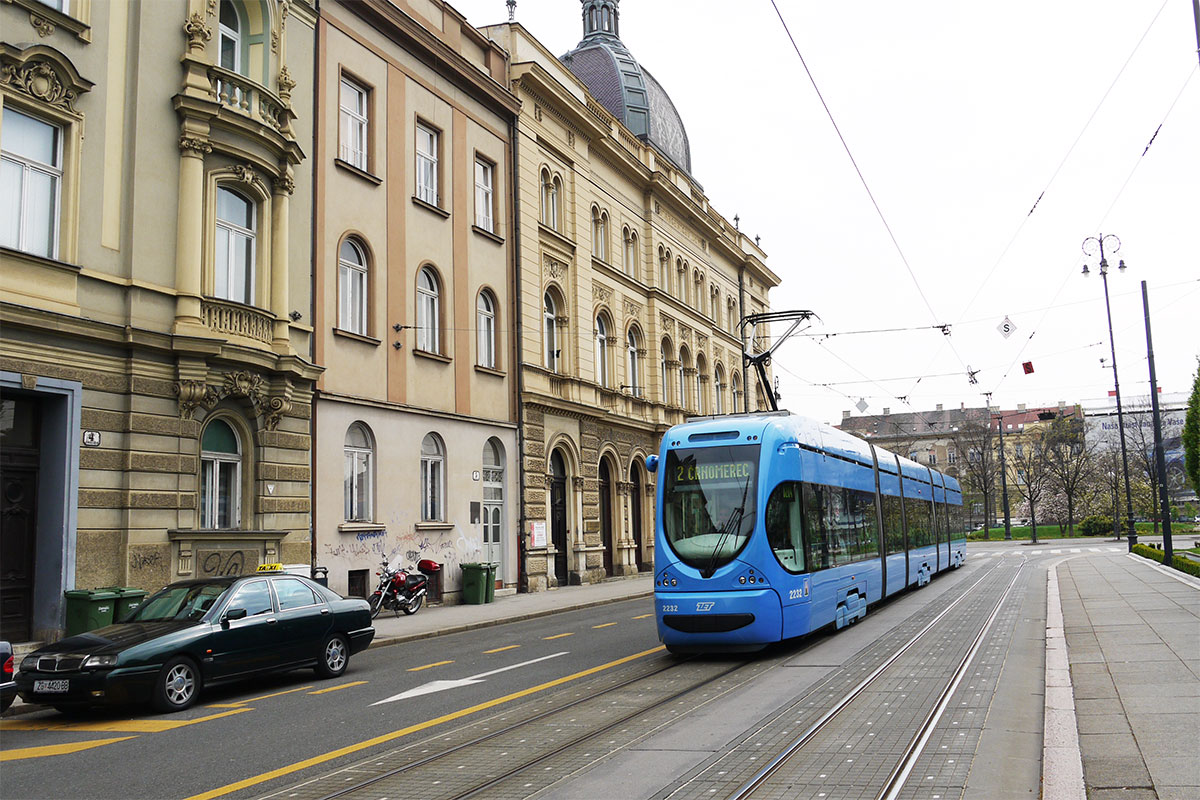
[(1133, 645), (439, 619)]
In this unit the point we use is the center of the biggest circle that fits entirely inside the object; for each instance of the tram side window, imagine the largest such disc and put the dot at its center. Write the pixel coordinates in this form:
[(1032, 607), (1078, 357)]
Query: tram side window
[(784, 526), (816, 540), (866, 523), (916, 512), (840, 526), (960, 524), (893, 524)]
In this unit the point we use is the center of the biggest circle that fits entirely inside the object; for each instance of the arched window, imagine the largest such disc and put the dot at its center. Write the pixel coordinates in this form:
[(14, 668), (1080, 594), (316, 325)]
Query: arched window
[(359, 474), (731, 316), (230, 37), (220, 476), (701, 384), (664, 270), (352, 288), (681, 281), (234, 247), (664, 357), (433, 479), (551, 195), (719, 389), (599, 234), (714, 305), (634, 368), (550, 326), (485, 323), (697, 291), (685, 366), (428, 309), (735, 385), (493, 498), (603, 352), (631, 253)]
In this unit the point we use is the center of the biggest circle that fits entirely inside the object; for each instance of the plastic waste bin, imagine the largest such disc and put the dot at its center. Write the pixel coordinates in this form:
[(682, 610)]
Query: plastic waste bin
[(433, 571), (474, 586), (321, 575), (491, 581), (128, 600), (88, 609)]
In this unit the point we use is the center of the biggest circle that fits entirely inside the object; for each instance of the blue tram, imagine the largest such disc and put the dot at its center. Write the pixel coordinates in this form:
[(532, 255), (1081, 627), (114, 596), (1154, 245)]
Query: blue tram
[(770, 526)]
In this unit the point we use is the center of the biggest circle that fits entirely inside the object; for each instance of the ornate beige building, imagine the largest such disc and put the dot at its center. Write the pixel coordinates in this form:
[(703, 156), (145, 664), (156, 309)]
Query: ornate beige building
[(155, 250), (631, 290), (416, 438)]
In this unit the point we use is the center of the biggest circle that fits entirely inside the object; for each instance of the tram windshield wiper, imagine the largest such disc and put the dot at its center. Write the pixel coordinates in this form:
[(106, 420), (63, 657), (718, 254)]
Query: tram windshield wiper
[(732, 524)]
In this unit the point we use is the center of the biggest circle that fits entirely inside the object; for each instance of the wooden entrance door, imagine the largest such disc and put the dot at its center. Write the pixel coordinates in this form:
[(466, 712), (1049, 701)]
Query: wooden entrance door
[(558, 516), (19, 435)]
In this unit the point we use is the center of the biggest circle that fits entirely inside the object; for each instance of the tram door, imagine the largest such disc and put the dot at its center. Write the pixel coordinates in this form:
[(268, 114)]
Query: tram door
[(558, 516), (606, 532)]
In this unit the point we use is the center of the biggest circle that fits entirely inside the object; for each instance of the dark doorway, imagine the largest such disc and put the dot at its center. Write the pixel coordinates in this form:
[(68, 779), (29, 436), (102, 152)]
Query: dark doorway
[(635, 514), (19, 455), (558, 516), (606, 517)]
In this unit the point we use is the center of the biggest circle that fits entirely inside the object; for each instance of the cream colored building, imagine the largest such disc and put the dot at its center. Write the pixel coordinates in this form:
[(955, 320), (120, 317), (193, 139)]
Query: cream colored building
[(155, 243), (631, 289), (416, 436)]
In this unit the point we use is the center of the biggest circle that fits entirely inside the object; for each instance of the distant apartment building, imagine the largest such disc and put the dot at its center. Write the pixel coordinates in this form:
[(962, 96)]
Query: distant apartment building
[(155, 248), (631, 287)]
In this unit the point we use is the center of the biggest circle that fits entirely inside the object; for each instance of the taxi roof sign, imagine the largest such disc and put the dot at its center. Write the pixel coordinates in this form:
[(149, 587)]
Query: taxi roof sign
[(269, 568)]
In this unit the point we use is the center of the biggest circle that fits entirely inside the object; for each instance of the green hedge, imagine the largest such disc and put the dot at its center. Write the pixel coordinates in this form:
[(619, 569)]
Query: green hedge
[(1182, 564), (1095, 525)]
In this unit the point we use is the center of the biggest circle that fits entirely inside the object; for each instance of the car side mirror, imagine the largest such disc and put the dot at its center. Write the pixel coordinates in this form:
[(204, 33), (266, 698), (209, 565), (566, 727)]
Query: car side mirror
[(232, 614)]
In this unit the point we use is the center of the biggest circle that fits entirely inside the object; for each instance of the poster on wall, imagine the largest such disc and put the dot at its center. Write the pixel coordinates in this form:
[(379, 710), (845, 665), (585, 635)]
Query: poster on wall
[(537, 534)]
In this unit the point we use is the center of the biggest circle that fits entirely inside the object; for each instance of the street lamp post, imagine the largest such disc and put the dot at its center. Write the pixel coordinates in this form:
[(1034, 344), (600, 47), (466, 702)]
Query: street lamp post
[(1004, 482), (1094, 245)]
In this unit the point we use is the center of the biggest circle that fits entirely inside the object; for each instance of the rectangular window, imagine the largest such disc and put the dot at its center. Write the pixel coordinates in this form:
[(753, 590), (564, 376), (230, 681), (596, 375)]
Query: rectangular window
[(431, 489), (219, 487), (352, 147), (357, 485), (484, 173), (427, 165), (31, 177)]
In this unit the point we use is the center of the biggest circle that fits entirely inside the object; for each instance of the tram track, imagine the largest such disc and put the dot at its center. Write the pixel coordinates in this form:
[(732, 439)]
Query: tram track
[(768, 780)]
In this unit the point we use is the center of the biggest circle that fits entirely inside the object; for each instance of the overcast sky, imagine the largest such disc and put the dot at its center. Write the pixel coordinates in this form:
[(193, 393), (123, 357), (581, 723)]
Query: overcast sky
[(959, 115)]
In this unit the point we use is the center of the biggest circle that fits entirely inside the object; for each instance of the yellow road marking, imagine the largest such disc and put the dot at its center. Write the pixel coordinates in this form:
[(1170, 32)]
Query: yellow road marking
[(605, 625), (336, 688), (420, 726), (241, 703), (556, 636), (112, 726), (501, 649), (57, 749), (643, 616), (427, 666)]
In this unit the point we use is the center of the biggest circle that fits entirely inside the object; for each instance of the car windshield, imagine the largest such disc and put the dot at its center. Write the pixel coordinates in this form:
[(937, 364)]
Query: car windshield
[(186, 601), (709, 503)]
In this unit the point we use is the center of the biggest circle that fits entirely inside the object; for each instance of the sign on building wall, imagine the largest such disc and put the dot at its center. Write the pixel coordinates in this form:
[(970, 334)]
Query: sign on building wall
[(537, 534)]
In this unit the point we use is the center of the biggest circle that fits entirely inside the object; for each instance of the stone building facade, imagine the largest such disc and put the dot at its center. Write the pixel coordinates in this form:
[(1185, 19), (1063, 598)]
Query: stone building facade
[(632, 287), (416, 439), (155, 369)]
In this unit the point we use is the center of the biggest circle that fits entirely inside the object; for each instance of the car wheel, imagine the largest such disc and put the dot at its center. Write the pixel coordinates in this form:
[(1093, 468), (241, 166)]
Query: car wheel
[(334, 658), (376, 604), (177, 685), (413, 605)]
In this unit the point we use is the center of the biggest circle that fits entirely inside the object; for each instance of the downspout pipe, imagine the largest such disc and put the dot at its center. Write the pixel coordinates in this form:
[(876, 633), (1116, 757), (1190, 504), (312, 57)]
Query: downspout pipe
[(518, 337)]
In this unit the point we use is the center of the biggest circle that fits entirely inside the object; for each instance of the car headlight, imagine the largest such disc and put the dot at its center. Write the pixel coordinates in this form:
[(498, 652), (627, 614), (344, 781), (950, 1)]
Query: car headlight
[(99, 662), (29, 662)]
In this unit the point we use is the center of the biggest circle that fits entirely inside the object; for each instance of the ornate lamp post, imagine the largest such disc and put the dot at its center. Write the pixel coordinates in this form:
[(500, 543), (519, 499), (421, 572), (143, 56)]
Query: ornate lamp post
[(1094, 245)]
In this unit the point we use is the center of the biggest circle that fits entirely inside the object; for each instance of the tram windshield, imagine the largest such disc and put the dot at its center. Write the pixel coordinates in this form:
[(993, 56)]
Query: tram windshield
[(709, 503)]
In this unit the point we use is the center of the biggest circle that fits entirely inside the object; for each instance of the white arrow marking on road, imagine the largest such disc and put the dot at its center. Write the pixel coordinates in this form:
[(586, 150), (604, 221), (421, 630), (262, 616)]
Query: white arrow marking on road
[(438, 686)]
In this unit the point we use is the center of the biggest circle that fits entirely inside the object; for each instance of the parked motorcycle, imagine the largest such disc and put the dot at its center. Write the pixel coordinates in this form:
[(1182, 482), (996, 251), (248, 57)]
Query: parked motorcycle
[(400, 590)]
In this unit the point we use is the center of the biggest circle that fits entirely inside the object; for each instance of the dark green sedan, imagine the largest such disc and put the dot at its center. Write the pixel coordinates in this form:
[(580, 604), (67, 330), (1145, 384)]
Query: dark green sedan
[(200, 633)]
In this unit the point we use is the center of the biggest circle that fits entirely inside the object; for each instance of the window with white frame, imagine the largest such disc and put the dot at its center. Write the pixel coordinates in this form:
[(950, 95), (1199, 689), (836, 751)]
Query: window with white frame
[(359, 474), (484, 176), (730, 320), (220, 476), (427, 164), (352, 288), (58, 5), (719, 387), (433, 471), (685, 364), (353, 124), (428, 311), (633, 360), (485, 317), (663, 358), (664, 271), (735, 385), (229, 37), (31, 160), (602, 352), (631, 253), (701, 382), (714, 305), (234, 247), (550, 328), (599, 234)]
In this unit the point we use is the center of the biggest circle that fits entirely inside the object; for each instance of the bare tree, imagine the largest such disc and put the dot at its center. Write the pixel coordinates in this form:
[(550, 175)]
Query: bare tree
[(1033, 472), (977, 463), (1069, 461)]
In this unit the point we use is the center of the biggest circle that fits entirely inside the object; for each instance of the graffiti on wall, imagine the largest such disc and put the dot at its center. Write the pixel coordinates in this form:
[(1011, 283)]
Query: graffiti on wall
[(225, 562)]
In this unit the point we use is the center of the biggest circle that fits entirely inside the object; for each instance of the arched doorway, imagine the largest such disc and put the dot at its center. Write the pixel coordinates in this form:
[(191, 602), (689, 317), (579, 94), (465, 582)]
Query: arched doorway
[(635, 514), (558, 515), (606, 516)]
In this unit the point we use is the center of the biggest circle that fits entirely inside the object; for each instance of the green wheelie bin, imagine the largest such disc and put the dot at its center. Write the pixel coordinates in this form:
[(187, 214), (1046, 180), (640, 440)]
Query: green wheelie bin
[(128, 600), (474, 586), (88, 609), (491, 581)]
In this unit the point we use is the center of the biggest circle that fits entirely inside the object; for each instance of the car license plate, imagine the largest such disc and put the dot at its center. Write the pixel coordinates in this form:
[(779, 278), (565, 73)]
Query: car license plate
[(51, 687)]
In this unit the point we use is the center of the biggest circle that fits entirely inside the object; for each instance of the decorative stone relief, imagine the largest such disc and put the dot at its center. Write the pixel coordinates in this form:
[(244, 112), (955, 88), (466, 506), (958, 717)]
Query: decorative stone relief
[(632, 309), (555, 268), (286, 84), (41, 81), (197, 32), (286, 183), (43, 26), (537, 113), (602, 293), (197, 394), (668, 324), (194, 144), (571, 138)]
